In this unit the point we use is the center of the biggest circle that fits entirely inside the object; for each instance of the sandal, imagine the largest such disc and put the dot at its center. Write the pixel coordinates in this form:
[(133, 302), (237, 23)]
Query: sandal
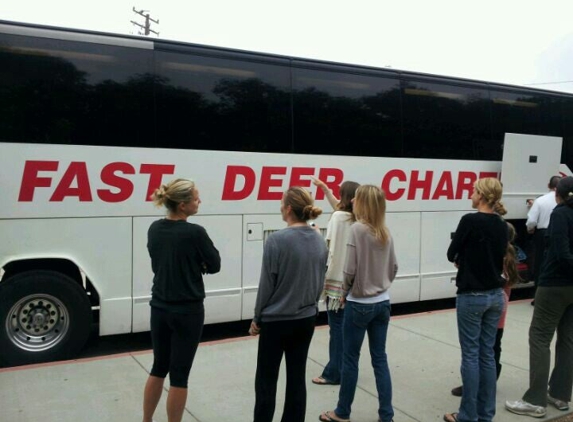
[(330, 416), (323, 381), (451, 417)]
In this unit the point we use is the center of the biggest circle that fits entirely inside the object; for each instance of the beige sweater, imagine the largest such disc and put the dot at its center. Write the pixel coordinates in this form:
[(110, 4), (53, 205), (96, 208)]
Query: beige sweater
[(370, 266)]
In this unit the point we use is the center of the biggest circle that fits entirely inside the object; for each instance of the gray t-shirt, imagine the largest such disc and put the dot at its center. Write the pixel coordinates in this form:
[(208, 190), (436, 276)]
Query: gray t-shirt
[(292, 275)]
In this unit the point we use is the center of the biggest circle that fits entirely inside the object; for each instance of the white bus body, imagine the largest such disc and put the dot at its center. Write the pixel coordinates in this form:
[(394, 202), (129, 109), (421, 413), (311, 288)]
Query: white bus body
[(75, 203)]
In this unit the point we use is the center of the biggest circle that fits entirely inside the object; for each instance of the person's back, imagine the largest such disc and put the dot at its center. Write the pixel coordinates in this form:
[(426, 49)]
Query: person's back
[(557, 269), (296, 267), (478, 249)]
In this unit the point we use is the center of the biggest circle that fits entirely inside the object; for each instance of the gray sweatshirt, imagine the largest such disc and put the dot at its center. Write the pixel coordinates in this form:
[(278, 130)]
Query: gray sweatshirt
[(370, 266), (292, 275)]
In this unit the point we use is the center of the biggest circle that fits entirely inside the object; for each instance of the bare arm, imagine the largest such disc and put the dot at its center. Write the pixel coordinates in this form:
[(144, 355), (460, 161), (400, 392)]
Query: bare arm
[(327, 192)]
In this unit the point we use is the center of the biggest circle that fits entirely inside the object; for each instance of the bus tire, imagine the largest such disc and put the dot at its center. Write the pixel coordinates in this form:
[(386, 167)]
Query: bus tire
[(44, 316)]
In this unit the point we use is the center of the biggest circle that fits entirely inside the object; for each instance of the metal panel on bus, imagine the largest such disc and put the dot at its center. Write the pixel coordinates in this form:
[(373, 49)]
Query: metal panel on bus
[(405, 230), (529, 161), (223, 290), (438, 274)]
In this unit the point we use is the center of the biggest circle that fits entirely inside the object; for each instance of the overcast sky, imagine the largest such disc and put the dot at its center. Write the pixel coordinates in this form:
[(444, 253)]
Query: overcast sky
[(507, 41)]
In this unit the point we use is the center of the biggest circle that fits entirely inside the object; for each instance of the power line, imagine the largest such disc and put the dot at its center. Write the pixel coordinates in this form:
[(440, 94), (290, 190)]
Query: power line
[(147, 27)]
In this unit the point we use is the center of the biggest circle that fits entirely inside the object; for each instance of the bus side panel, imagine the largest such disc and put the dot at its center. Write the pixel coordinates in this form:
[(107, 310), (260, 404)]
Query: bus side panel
[(438, 274), (405, 230), (223, 290), (100, 247)]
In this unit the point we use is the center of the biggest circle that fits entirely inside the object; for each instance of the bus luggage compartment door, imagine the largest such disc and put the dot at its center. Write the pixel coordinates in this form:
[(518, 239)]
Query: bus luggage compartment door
[(529, 161)]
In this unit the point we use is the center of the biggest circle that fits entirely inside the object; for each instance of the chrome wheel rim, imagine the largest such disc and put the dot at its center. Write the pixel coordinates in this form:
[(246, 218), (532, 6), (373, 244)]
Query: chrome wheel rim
[(37, 322)]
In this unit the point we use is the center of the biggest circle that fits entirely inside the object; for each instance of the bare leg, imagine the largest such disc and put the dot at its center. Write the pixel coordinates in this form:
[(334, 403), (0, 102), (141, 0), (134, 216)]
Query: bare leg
[(176, 400), (151, 396)]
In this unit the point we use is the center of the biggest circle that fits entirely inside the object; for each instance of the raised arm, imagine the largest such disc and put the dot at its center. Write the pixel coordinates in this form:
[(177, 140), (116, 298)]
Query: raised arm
[(327, 192)]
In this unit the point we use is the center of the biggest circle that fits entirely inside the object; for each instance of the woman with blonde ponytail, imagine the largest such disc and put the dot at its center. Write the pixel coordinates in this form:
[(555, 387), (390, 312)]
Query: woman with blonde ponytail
[(292, 276), (478, 250), (180, 253)]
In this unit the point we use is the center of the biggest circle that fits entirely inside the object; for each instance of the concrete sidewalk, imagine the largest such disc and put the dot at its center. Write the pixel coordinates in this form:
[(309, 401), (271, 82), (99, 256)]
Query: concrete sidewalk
[(423, 353)]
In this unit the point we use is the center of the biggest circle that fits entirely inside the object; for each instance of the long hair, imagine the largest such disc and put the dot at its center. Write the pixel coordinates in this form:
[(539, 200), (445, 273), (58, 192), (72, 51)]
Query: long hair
[(370, 209), (510, 259), (347, 194), (174, 193), (490, 188), (301, 203)]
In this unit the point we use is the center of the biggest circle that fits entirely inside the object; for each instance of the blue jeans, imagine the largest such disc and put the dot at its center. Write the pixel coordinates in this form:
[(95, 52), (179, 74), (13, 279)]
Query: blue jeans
[(333, 369), (478, 314), (358, 319)]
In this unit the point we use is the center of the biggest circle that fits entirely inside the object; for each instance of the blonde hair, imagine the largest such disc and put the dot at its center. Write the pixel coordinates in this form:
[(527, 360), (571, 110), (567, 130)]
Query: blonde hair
[(174, 193), (370, 209), (301, 203), (490, 189)]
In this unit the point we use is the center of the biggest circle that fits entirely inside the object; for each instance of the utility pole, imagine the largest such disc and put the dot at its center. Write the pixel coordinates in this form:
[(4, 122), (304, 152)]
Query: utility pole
[(147, 27)]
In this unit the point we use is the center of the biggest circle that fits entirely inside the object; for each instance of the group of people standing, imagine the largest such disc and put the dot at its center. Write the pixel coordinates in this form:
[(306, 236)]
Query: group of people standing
[(353, 271)]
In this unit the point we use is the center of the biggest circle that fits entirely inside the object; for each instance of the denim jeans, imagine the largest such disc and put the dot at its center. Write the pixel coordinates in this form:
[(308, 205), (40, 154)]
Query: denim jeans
[(358, 319), (333, 369), (478, 314)]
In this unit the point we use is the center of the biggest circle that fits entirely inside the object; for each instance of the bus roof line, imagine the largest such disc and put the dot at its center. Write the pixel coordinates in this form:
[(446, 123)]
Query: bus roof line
[(67, 35)]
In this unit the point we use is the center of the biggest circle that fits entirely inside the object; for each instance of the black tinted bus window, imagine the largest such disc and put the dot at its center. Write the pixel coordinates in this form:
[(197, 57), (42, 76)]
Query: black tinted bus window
[(68, 92), (222, 104), (446, 121), (346, 114), (524, 112)]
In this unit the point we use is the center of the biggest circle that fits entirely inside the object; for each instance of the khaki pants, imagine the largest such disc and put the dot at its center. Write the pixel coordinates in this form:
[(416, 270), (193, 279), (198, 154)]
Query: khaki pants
[(553, 312)]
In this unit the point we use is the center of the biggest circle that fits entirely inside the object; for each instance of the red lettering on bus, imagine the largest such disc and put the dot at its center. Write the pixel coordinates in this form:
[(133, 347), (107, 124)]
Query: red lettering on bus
[(110, 178), (156, 173), (77, 171), (333, 178), (296, 176), (268, 182), (417, 183), (31, 180), (393, 174), (229, 186), (466, 180), (484, 174), (445, 186)]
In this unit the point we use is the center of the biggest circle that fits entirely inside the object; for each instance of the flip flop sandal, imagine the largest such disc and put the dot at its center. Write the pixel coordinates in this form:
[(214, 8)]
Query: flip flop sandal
[(451, 417), (328, 417), (323, 381)]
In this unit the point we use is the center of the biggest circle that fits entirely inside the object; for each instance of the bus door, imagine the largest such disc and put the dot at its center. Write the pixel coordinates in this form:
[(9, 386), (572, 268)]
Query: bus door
[(529, 161)]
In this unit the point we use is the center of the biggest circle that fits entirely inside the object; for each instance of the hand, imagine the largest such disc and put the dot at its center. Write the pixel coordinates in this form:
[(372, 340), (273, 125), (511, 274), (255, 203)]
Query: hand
[(342, 300), (254, 329), (319, 183)]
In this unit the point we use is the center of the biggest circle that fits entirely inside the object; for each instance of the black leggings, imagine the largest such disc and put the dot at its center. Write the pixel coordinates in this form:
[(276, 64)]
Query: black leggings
[(291, 338), (175, 338)]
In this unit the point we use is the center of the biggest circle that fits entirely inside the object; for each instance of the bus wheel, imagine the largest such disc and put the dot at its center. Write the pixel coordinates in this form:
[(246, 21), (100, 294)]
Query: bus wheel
[(44, 316)]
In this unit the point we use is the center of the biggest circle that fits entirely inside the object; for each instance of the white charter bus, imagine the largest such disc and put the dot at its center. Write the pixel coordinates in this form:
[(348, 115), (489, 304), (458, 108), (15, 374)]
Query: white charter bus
[(92, 123)]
